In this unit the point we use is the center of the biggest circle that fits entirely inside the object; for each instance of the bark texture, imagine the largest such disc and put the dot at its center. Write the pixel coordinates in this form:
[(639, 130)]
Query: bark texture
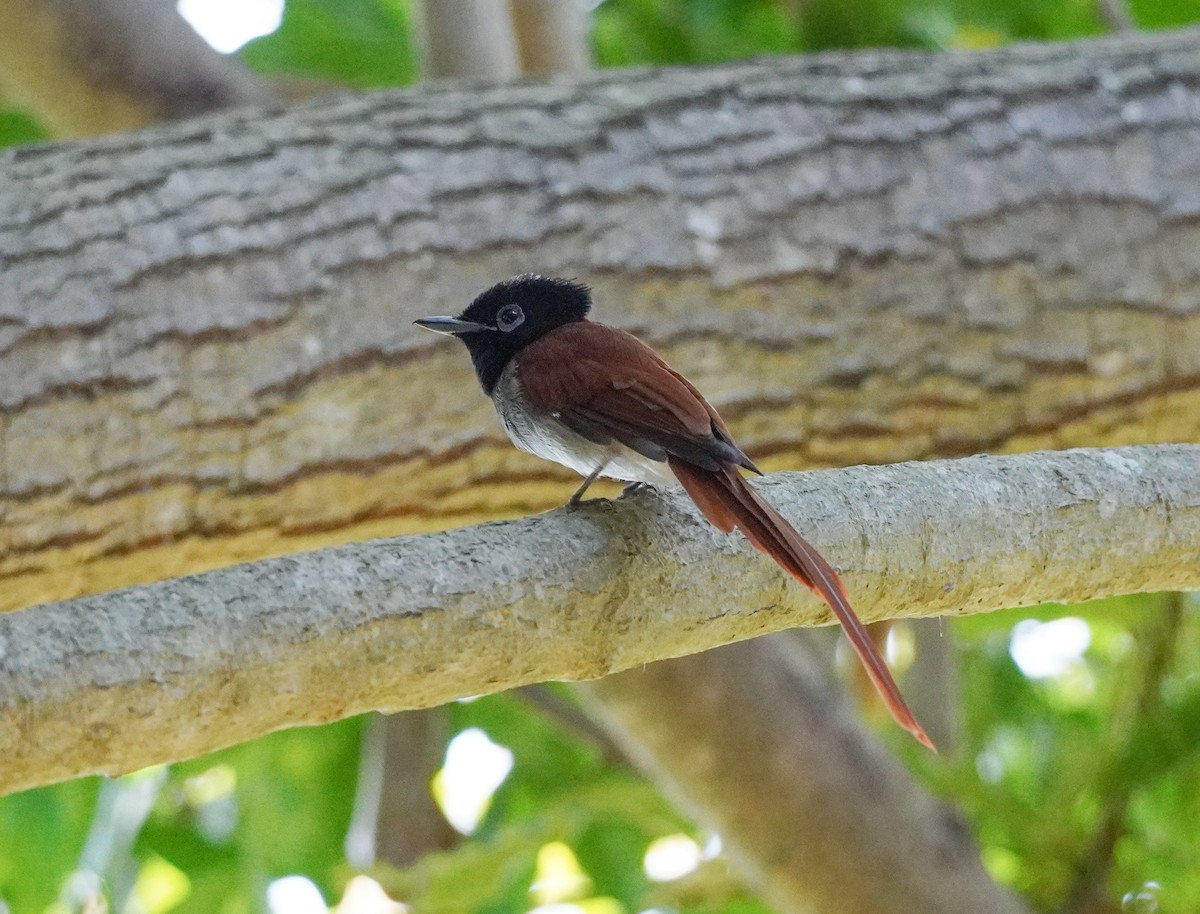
[(205, 343), (114, 682)]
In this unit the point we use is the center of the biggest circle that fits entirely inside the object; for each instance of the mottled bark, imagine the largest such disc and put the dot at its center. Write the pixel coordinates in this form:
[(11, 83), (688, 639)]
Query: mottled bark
[(205, 343), (86, 67), (118, 681)]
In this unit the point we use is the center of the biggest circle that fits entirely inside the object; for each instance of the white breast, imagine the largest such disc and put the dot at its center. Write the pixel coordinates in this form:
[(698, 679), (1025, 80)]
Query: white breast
[(545, 435)]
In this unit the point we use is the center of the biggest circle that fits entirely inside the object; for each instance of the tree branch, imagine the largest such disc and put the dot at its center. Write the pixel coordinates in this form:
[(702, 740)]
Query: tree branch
[(98, 66), (121, 680), (206, 350), (467, 39), (552, 36), (1116, 15)]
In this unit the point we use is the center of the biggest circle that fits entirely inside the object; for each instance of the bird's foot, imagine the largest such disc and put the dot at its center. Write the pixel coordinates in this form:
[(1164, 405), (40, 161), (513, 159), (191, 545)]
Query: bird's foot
[(639, 488), (574, 504)]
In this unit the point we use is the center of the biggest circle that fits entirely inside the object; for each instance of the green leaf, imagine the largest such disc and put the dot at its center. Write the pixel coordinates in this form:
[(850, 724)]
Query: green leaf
[(1160, 743), (41, 834), (1164, 14), (18, 128), (612, 851), (493, 875), (287, 814), (360, 43)]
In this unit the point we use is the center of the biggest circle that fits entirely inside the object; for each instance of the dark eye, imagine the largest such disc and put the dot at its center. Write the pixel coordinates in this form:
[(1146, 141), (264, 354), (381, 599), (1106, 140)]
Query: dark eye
[(510, 318)]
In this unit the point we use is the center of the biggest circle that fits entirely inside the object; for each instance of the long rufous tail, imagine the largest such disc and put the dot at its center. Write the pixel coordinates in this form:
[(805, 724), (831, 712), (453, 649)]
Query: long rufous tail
[(728, 501)]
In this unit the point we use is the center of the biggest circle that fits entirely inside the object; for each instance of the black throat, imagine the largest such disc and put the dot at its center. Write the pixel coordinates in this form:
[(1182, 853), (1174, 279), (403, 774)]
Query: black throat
[(489, 362)]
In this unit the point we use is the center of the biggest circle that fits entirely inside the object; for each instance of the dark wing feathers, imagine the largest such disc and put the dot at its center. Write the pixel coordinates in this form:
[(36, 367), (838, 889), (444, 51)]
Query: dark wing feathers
[(647, 406)]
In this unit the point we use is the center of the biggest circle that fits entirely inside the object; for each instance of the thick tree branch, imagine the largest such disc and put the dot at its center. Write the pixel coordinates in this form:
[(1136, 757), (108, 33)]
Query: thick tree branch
[(117, 681), (206, 352)]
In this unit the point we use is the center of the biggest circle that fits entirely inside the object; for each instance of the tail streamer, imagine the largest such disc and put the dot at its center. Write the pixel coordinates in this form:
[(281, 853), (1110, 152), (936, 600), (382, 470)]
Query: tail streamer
[(727, 500)]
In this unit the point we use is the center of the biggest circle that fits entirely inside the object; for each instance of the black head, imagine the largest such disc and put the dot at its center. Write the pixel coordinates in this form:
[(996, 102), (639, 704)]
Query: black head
[(509, 316)]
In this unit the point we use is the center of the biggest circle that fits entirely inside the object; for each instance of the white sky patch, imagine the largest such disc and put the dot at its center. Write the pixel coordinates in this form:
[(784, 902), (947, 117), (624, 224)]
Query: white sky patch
[(295, 895), (229, 24), (1045, 649), (475, 766), (671, 857)]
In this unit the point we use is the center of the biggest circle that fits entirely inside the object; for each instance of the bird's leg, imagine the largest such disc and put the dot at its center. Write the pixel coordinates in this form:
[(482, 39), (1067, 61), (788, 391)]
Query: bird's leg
[(592, 476)]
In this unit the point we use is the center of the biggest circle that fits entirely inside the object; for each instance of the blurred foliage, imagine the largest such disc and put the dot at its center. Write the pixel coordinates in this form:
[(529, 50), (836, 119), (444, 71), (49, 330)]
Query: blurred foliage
[(370, 43), (359, 43), (1048, 767), (701, 31), (235, 820), (41, 835), (18, 127), (1116, 736)]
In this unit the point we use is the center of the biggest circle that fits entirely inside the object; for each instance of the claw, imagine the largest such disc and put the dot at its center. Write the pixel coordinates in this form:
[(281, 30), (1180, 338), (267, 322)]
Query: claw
[(598, 501), (639, 488)]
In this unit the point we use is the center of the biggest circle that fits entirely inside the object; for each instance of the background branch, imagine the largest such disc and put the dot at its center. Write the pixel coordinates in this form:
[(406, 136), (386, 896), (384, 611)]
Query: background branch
[(97, 66), (552, 36), (1116, 15), (467, 39), (814, 784), (118, 681)]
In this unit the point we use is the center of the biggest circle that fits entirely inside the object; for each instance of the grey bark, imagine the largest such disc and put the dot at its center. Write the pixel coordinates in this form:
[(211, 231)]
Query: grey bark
[(933, 685), (118, 681), (409, 824), (1116, 15), (895, 254)]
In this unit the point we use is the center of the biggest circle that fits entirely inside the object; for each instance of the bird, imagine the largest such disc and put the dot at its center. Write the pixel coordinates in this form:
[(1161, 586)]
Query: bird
[(598, 400)]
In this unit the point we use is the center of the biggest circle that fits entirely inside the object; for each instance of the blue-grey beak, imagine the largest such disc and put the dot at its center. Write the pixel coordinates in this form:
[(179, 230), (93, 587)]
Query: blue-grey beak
[(451, 326)]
